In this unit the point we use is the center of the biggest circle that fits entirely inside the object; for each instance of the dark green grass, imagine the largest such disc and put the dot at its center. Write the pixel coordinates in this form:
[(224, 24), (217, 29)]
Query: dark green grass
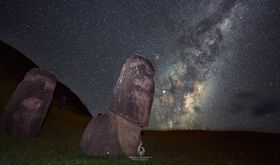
[(58, 143)]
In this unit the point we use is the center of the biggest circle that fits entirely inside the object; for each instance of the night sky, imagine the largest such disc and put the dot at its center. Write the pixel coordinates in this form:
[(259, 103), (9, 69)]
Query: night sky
[(217, 62)]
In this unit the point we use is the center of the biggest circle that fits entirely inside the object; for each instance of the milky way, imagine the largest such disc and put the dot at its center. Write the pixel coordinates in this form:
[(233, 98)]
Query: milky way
[(206, 55), (196, 48)]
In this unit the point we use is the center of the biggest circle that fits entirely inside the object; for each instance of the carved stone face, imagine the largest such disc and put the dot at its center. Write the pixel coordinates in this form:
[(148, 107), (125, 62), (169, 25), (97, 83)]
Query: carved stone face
[(28, 106), (134, 91)]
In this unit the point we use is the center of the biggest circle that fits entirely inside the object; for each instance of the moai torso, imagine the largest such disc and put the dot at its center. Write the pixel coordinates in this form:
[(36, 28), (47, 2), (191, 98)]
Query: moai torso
[(100, 133)]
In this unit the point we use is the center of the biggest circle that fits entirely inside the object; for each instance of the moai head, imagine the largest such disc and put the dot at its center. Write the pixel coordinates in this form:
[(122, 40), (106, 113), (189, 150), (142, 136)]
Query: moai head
[(134, 91), (26, 109)]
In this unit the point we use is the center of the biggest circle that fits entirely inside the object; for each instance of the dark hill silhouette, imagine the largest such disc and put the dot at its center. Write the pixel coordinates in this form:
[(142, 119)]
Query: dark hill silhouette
[(14, 65)]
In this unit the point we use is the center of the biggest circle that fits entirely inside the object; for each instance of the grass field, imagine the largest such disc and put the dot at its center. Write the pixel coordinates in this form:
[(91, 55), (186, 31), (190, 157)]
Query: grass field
[(58, 143)]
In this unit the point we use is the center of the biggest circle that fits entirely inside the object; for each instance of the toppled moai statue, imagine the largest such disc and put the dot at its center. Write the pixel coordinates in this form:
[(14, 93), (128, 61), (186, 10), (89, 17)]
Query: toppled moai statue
[(28, 106), (118, 132)]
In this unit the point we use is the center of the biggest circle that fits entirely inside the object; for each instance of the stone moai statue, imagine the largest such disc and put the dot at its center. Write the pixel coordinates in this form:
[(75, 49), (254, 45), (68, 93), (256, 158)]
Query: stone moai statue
[(28, 106), (118, 132)]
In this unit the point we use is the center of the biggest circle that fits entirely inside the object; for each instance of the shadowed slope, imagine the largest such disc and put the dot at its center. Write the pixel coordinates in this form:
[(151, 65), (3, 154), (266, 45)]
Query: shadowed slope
[(13, 67)]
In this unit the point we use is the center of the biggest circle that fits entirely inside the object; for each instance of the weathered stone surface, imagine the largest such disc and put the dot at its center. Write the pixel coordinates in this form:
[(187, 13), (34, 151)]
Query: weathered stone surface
[(119, 131), (27, 108), (100, 138), (129, 135), (134, 91)]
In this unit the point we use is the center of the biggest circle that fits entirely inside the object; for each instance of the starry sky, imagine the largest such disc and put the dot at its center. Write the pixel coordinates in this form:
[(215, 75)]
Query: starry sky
[(217, 63)]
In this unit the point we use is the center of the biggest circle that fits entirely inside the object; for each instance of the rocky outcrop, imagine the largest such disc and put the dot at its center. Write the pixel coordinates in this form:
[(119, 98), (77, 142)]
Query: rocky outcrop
[(119, 131)]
